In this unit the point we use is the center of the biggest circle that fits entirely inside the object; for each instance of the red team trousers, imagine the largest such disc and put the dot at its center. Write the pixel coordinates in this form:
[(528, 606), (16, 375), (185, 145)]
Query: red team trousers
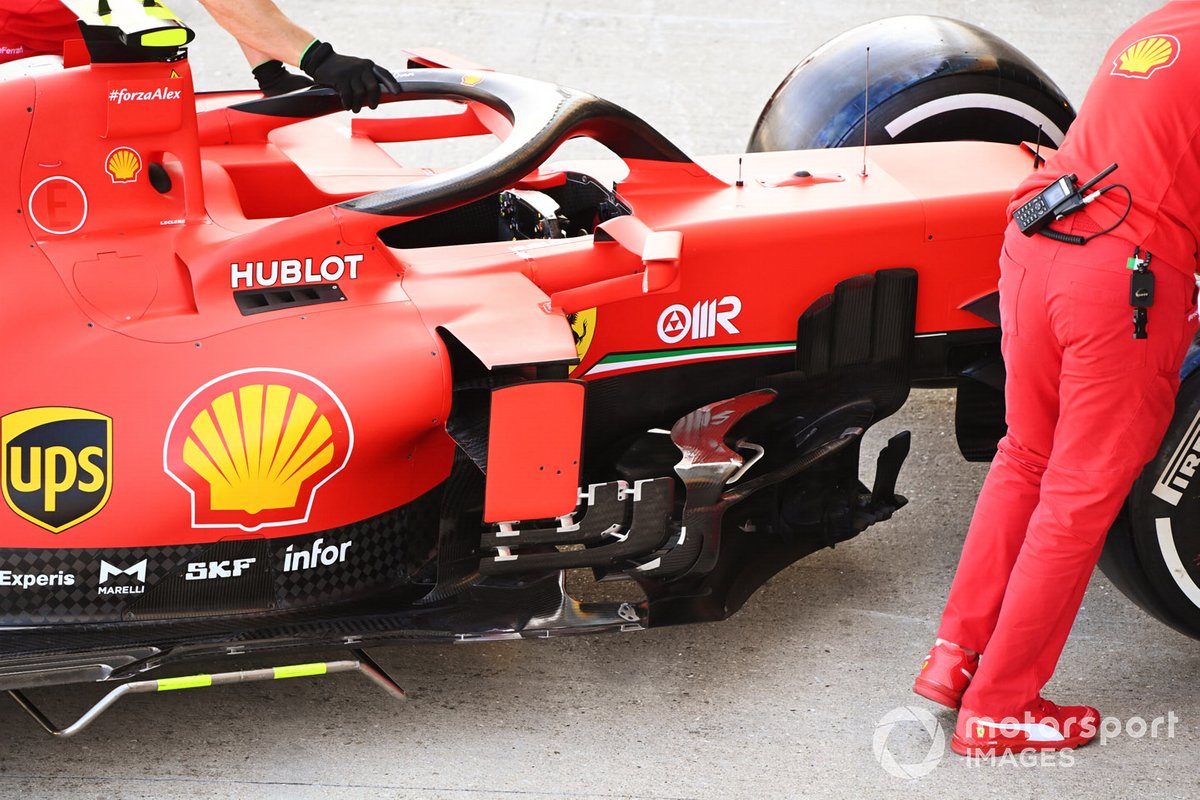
[(1087, 406)]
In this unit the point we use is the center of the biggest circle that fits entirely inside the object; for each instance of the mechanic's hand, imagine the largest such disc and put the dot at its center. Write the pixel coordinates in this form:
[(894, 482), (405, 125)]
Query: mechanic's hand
[(274, 80), (359, 81)]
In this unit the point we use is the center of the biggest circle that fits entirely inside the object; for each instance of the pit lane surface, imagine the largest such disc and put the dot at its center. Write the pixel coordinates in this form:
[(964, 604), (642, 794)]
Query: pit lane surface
[(781, 701)]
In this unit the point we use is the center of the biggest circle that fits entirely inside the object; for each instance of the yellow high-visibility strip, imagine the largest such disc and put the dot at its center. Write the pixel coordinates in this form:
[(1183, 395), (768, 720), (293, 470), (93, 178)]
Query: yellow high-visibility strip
[(186, 682), (299, 671), (164, 37)]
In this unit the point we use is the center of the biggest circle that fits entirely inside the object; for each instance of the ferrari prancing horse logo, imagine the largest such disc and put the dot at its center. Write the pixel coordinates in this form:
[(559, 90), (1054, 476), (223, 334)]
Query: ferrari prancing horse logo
[(583, 329)]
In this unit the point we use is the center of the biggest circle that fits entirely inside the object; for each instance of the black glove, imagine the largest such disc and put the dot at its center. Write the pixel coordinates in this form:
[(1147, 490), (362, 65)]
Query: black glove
[(274, 80), (358, 81)]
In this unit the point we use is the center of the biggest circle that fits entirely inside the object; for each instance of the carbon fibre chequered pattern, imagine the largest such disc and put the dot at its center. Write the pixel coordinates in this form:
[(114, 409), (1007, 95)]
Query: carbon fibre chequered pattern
[(65, 586), (379, 556), (228, 577), (80, 600)]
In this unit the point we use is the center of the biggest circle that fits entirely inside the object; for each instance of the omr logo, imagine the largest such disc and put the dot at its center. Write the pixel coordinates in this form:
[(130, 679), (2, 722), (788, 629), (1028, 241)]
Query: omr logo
[(56, 464), (253, 447), (678, 322)]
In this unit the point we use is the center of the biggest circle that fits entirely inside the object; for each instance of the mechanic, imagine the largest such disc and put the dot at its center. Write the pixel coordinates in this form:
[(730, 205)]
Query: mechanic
[(267, 38), (1088, 399)]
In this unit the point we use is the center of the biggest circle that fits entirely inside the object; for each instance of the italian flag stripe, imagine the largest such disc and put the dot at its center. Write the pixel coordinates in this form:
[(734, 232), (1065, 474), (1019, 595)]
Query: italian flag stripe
[(624, 361)]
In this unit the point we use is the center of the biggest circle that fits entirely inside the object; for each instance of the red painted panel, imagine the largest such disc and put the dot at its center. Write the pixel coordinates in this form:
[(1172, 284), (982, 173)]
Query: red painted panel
[(533, 450)]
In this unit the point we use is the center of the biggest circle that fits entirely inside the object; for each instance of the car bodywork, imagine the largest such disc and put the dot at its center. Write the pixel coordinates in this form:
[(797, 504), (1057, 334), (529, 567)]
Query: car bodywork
[(272, 389)]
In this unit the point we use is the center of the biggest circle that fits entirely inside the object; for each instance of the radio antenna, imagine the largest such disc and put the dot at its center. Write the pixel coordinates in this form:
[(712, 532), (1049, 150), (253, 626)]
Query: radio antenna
[(1037, 152), (866, 109)]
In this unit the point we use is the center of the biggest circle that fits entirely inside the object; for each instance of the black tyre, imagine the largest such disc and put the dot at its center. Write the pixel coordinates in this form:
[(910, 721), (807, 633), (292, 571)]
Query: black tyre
[(932, 79), (1153, 551)]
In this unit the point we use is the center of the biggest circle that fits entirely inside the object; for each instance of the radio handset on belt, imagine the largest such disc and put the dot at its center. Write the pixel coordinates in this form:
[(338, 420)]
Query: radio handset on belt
[(1141, 290), (1060, 199)]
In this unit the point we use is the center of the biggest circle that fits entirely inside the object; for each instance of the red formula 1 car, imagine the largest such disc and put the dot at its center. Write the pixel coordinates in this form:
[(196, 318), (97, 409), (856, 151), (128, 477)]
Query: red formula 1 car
[(269, 389)]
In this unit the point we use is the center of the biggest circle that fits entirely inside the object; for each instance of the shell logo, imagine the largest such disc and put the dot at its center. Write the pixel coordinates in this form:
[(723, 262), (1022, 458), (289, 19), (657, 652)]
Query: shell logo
[(123, 165), (472, 79), (1146, 56), (254, 447)]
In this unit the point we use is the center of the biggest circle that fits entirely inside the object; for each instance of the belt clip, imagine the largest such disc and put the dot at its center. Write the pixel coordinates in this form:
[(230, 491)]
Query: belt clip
[(1141, 290)]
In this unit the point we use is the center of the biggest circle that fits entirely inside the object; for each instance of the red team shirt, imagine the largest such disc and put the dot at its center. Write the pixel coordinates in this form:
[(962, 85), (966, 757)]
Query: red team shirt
[(1143, 112), (34, 28)]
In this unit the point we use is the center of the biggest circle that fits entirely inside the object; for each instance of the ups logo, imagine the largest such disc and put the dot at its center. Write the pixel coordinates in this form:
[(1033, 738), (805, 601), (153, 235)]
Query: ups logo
[(56, 464)]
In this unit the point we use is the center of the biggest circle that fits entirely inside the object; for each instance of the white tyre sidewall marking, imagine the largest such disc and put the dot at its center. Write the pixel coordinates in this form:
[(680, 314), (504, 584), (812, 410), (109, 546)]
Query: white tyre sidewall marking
[(971, 102), (1170, 556)]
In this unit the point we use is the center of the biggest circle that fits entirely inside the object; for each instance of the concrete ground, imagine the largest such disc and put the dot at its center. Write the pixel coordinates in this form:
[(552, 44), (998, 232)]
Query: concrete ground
[(785, 699)]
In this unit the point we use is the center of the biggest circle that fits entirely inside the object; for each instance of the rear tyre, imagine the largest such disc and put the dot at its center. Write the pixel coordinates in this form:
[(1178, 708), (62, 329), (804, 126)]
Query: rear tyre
[(932, 79), (1153, 551)]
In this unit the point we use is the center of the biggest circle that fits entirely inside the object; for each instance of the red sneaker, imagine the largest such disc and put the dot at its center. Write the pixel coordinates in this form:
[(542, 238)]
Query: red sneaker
[(1044, 726), (945, 674)]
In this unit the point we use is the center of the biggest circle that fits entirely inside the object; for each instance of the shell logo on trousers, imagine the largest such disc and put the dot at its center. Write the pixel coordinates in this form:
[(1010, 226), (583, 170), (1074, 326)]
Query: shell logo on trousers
[(1146, 56), (254, 447)]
